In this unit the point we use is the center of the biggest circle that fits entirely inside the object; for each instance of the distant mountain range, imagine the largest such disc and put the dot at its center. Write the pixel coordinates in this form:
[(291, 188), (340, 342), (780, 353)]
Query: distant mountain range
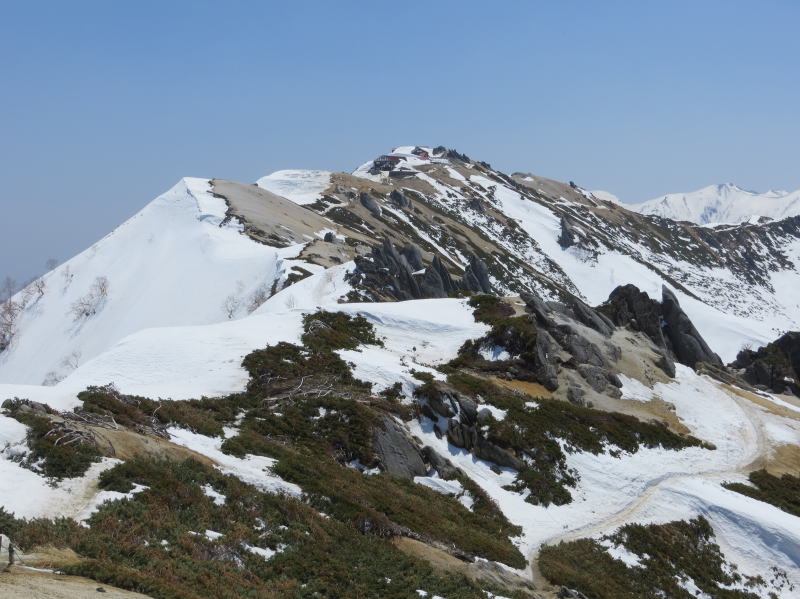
[(720, 204)]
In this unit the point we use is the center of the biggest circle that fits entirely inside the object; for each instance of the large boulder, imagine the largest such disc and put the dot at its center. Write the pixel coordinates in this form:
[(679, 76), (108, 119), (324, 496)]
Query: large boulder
[(688, 345), (567, 238), (397, 452), (628, 306), (370, 203), (591, 318), (399, 199)]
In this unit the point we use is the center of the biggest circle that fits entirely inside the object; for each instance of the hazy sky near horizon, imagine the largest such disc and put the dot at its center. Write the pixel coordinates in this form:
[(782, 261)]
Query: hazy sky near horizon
[(105, 105)]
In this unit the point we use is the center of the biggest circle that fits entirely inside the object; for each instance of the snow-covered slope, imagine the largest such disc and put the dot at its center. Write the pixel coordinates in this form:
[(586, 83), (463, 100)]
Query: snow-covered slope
[(169, 304), (300, 186), (174, 263), (722, 204)]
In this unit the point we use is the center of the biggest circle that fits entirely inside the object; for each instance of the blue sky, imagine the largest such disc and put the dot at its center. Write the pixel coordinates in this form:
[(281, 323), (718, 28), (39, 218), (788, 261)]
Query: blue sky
[(104, 105)]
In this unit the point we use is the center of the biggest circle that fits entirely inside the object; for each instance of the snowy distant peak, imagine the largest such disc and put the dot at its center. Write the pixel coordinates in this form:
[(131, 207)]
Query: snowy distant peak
[(723, 203)]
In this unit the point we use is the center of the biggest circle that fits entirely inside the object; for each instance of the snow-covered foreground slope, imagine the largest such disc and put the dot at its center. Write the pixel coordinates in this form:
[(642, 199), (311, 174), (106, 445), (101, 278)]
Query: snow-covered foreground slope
[(718, 204), (658, 486), (194, 361), (172, 264), (650, 486), (205, 360)]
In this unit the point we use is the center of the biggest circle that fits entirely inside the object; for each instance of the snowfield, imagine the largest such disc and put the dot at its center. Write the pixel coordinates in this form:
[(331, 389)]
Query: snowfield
[(189, 362), (299, 186), (172, 264)]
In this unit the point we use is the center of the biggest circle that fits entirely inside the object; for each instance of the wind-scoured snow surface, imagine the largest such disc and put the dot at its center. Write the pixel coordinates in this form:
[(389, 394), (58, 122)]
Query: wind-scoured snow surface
[(299, 186), (172, 264), (722, 204)]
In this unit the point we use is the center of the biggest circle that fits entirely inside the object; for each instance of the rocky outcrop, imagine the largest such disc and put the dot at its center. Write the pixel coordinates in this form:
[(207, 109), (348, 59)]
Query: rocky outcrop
[(476, 276), (441, 403), (567, 238), (470, 438), (775, 366), (687, 344), (441, 464), (628, 306), (402, 275), (599, 378), (399, 199), (397, 453), (370, 203), (665, 323), (591, 318), (547, 361)]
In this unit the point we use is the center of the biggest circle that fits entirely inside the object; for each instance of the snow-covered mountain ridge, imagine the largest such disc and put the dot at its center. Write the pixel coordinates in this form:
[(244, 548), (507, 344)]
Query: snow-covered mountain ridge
[(172, 265), (425, 361), (723, 204)]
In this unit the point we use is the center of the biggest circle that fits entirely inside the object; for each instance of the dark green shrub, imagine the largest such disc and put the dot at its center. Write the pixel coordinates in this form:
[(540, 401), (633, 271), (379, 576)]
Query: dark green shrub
[(782, 492), (668, 553)]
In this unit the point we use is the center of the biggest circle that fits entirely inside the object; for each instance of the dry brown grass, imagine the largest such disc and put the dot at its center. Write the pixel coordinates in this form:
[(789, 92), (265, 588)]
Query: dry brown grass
[(532, 389)]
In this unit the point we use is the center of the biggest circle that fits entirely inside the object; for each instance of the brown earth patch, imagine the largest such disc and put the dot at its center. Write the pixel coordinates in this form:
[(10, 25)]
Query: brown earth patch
[(126, 445), (532, 389), (763, 402), (29, 584), (478, 571)]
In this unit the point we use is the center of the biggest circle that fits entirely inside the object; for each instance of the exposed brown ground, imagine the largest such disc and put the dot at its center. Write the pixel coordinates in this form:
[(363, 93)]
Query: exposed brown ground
[(21, 583), (443, 562), (781, 458), (534, 389), (126, 445)]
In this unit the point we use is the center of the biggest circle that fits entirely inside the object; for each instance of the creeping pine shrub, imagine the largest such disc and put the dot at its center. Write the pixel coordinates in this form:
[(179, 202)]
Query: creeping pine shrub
[(490, 308), (516, 334), (782, 492), (155, 543), (668, 555), (48, 453), (205, 416), (337, 330)]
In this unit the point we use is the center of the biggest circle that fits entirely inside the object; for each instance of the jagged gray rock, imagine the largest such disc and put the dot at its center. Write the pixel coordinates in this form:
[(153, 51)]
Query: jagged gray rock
[(583, 351), (476, 204), (399, 199), (628, 306), (476, 276), (439, 463), (370, 203), (546, 352), (398, 454), (591, 318), (413, 256), (688, 345), (575, 394), (598, 378), (567, 238), (539, 309), (468, 437), (665, 323)]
